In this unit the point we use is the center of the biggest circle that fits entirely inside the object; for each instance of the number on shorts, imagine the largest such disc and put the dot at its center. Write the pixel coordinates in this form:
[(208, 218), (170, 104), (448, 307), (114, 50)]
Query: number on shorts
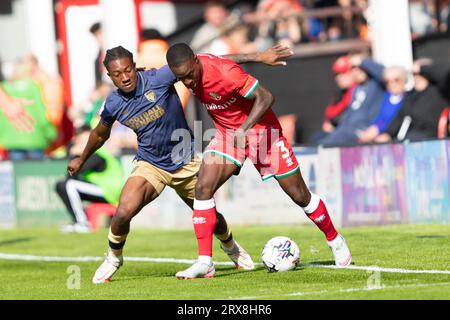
[(284, 150)]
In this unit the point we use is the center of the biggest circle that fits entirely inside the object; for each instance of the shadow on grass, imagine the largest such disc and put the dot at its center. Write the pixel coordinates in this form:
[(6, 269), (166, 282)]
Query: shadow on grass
[(430, 237), (14, 241), (327, 262)]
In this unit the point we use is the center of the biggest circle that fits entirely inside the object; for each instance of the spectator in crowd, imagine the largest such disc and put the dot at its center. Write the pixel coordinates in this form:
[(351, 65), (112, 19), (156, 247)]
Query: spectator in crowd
[(444, 6), (96, 31), (438, 73), (13, 109), (421, 19), (100, 180), (365, 103), (152, 54), (278, 21), (97, 97), (52, 90), (40, 132), (215, 15), (418, 118), (344, 77), (396, 79)]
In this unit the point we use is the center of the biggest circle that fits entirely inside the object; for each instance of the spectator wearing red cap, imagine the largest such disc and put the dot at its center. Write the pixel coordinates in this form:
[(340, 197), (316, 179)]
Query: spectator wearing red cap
[(346, 84), (365, 104)]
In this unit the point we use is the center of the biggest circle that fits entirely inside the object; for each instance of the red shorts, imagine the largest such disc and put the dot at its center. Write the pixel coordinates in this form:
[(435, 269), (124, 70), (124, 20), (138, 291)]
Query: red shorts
[(269, 152)]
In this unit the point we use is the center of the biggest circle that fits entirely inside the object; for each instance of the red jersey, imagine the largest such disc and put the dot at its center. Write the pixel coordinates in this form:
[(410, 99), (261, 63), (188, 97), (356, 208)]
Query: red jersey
[(224, 91)]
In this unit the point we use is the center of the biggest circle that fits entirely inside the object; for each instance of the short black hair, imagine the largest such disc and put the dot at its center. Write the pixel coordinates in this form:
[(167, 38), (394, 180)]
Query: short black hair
[(115, 54), (95, 27), (178, 54), (152, 34)]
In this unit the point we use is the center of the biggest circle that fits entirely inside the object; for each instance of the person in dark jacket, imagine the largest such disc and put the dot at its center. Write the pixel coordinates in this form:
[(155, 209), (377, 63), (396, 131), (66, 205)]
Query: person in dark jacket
[(419, 117), (364, 106)]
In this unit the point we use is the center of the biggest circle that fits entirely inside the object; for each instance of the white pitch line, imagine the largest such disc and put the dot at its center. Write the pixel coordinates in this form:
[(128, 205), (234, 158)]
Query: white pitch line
[(375, 268), (346, 290), (26, 257)]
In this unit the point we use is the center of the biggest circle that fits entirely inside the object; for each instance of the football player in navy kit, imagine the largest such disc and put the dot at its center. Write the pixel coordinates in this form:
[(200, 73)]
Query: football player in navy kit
[(146, 102)]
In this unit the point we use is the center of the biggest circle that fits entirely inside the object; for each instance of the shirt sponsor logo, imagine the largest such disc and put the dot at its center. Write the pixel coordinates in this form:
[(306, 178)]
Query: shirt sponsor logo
[(145, 118), (215, 96), (213, 106)]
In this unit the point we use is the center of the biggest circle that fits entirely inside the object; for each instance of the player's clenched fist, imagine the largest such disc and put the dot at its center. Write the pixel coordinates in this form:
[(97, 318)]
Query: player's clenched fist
[(74, 166)]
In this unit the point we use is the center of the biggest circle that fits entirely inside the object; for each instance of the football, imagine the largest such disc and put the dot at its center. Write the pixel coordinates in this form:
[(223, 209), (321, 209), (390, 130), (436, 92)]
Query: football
[(280, 254)]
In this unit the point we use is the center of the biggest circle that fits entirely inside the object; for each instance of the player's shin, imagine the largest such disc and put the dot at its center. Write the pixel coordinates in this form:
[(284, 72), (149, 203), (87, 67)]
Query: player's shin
[(318, 213), (222, 231), (204, 220)]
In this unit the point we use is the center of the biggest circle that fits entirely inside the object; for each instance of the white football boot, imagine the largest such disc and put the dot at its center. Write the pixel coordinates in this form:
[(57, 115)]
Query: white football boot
[(341, 253), (107, 269), (239, 256), (197, 270), (76, 228)]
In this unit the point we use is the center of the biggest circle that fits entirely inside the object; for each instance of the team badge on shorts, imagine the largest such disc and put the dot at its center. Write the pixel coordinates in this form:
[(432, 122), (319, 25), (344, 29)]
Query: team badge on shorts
[(151, 96), (215, 96)]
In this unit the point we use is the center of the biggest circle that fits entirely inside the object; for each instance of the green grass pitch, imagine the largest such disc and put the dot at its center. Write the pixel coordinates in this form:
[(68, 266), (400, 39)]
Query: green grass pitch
[(402, 247)]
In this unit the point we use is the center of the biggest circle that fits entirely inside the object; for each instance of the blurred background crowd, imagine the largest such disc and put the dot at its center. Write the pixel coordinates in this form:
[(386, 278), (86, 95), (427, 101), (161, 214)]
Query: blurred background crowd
[(369, 103)]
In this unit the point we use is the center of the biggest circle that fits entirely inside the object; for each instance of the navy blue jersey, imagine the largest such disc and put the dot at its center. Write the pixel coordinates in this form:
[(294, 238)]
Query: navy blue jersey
[(155, 114)]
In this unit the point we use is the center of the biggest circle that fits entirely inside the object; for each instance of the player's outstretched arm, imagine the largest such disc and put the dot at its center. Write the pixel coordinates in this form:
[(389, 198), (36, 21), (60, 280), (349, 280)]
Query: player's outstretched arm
[(97, 138), (273, 56)]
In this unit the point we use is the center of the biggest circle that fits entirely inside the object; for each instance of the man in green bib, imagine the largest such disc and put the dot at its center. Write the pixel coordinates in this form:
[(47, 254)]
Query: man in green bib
[(100, 180)]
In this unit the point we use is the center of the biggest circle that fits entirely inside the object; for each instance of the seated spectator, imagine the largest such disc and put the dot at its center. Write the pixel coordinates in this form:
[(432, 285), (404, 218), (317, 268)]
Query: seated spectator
[(395, 79), (418, 118), (346, 84), (365, 103), (152, 54), (215, 15), (439, 74), (421, 20), (277, 21), (100, 180)]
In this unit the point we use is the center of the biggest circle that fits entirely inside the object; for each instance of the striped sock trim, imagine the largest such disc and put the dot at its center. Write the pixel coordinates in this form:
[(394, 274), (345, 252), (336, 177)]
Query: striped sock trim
[(204, 204), (116, 239), (287, 174), (116, 246), (313, 204)]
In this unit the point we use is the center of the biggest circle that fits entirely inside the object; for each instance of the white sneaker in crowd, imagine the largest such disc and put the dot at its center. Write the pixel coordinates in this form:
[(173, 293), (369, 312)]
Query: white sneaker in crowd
[(76, 228)]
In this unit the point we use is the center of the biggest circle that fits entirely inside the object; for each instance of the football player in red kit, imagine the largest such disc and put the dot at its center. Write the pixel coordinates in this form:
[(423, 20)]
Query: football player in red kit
[(240, 108)]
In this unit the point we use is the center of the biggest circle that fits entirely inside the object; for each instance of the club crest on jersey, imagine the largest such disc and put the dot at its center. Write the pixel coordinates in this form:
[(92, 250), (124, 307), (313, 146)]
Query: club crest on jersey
[(215, 96), (151, 96)]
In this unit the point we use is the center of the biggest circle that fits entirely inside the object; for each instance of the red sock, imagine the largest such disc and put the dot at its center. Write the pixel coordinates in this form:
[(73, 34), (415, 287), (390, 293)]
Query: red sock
[(321, 218), (204, 224)]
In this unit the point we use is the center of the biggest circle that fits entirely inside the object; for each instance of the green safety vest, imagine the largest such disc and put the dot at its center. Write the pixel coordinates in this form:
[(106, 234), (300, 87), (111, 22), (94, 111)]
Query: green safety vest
[(111, 180), (44, 131)]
